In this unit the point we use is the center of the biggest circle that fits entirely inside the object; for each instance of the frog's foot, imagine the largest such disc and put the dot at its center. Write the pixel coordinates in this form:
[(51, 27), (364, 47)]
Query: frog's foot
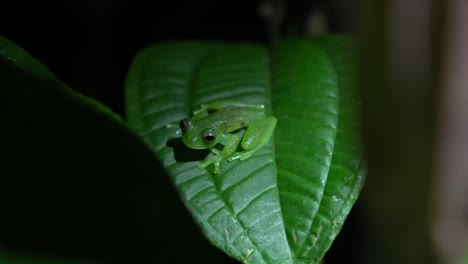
[(215, 160), (243, 155)]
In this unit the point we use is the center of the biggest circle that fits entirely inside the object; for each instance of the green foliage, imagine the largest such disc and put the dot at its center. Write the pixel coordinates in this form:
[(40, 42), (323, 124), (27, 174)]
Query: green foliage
[(287, 203)]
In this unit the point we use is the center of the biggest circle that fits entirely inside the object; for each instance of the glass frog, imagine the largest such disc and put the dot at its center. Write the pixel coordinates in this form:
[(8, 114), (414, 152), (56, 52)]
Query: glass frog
[(218, 121)]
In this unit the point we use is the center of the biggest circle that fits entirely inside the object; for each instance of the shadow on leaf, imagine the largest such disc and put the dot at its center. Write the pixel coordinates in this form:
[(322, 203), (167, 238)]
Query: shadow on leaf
[(183, 153)]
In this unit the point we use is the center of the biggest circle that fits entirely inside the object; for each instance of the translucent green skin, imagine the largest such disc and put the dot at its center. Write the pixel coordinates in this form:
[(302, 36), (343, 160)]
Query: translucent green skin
[(215, 123)]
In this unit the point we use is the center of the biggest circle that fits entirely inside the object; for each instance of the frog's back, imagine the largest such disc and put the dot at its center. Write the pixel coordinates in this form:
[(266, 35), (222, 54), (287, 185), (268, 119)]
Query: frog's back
[(233, 118)]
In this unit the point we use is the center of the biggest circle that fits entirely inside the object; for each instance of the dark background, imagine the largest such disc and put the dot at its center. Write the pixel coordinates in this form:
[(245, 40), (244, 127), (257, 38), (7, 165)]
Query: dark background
[(90, 44)]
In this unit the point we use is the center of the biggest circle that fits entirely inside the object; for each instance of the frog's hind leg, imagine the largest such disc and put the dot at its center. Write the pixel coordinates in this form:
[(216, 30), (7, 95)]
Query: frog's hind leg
[(255, 138), (221, 104)]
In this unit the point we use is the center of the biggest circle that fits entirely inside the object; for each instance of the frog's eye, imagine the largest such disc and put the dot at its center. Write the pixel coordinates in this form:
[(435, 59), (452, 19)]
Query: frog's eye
[(183, 125), (209, 136)]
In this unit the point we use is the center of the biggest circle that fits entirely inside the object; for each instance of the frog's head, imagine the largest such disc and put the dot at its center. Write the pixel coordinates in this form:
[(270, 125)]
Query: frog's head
[(197, 137)]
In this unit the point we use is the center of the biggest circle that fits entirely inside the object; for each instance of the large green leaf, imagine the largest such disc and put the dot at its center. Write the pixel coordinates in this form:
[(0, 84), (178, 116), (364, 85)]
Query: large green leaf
[(287, 203), (239, 209), (77, 184)]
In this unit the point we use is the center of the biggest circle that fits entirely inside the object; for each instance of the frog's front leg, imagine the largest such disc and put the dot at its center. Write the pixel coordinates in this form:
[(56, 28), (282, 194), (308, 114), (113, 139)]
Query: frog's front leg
[(174, 131), (232, 141), (255, 138)]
